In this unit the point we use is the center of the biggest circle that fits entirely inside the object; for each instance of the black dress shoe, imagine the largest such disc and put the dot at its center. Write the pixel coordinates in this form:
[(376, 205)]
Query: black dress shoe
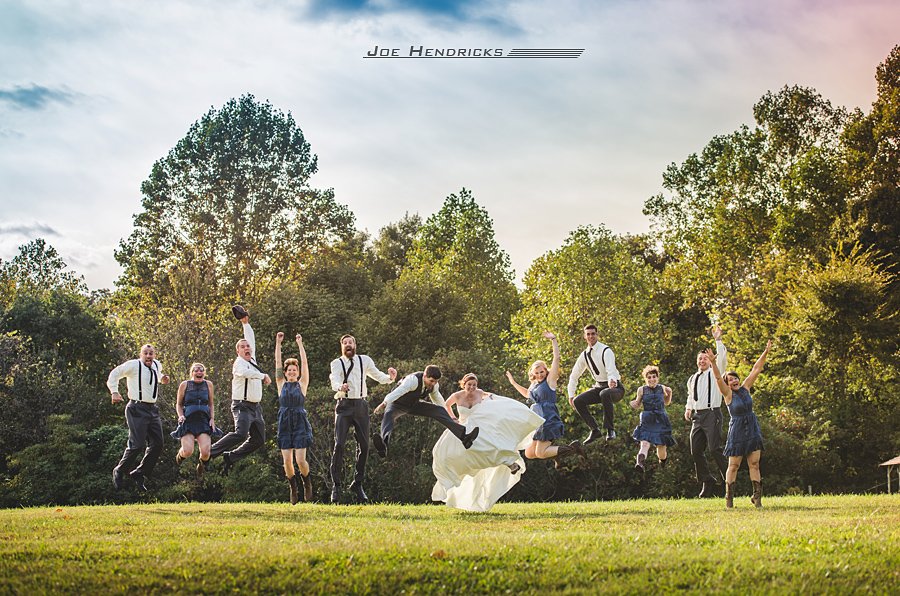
[(139, 480), (469, 438), (239, 312), (379, 445), (594, 435), (610, 435), (117, 479), (227, 464), (335, 495), (359, 493)]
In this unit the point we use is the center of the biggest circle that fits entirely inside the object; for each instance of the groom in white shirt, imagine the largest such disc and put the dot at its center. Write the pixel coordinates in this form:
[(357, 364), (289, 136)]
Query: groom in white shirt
[(599, 361)]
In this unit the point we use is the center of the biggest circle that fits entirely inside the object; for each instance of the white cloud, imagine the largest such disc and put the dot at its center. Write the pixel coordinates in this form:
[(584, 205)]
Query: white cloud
[(585, 140)]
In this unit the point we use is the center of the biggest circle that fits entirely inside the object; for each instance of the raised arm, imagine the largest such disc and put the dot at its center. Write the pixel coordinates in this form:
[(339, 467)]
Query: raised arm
[(553, 373), (522, 390), (758, 367), (723, 386), (721, 350), (249, 336), (279, 368), (304, 365)]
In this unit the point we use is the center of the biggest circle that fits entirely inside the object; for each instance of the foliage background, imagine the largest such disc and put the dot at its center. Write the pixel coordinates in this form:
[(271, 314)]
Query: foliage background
[(786, 229)]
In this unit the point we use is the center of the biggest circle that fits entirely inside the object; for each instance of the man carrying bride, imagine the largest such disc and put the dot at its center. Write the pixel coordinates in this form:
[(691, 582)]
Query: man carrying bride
[(474, 479)]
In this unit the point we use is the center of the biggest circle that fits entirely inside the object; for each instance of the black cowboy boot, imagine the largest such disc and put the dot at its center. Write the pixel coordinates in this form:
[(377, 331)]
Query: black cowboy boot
[(756, 499), (295, 492), (567, 450), (729, 495)]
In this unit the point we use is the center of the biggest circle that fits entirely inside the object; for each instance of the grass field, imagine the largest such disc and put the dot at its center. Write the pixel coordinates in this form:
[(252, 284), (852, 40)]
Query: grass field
[(826, 544)]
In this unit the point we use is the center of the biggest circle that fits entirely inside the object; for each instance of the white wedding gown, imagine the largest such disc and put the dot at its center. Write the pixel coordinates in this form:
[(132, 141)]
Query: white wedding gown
[(474, 479)]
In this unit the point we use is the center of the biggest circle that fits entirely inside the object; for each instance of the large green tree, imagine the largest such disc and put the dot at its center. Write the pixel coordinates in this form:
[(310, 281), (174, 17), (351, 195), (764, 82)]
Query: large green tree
[(456, 249), (232, 200)]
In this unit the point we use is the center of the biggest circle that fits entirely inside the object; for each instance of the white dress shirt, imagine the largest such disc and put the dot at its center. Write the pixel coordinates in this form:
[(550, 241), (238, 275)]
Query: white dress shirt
[(605, 361), (363, 367), (148, 388), (246, 381), (709, 397), (411, 383)]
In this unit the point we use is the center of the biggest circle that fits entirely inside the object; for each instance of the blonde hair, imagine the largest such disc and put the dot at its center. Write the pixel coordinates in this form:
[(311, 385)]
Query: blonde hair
[(536, 364), (466, 378)]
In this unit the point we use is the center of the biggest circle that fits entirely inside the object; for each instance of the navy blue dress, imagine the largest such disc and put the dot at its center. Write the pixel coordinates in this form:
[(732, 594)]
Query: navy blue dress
[(744, 434), (654, 426), (294, 430), (196, 411), (545, 400)]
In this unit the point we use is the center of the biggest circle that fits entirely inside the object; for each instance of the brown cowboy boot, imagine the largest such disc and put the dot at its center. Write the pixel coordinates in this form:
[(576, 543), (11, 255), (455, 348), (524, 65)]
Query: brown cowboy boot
[(729, 495), (307, 488), (756, 499), (295, 496)]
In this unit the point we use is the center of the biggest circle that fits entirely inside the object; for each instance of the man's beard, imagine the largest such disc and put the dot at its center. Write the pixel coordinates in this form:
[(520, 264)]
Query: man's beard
[(349, 352)]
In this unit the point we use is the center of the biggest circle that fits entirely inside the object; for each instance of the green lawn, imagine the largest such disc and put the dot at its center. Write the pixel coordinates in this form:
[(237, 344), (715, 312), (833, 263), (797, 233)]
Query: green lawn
[(795, 544)]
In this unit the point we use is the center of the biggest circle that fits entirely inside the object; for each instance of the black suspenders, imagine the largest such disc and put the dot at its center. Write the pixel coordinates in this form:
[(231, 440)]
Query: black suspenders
[(141, 384)]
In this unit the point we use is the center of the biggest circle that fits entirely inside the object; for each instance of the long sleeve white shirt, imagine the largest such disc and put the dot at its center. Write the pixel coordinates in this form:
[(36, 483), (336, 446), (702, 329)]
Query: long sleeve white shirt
[(411, 383), (362, 367), (142, 380), (605, 361), (246, 381), (702, 386)]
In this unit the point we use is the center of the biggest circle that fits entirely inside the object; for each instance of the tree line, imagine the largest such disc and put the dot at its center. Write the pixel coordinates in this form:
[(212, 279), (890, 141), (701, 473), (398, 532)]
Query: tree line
[(786, 228)]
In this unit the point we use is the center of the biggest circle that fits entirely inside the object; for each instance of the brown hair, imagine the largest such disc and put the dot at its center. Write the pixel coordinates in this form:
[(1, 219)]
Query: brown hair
[(466, 378), (291, 362), (650, 368)]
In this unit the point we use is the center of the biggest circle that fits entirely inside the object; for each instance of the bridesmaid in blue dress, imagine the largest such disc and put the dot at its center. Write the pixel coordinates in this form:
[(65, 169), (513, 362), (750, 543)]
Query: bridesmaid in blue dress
[(196, 417), (744, 434), (542, 393), (654, 427), (294, 430)]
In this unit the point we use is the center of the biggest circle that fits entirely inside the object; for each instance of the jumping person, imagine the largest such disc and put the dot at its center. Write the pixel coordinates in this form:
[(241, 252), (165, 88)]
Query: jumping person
[(654, 427), (143, 376), (542, 393), (196, 417), (474, 479), (600, 361), (348, 380), (703, 410), (409, 398), (294, 430), (246, 393), (744, 434)]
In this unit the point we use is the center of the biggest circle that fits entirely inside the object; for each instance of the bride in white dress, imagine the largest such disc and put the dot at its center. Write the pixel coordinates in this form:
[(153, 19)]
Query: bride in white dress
[(474, 479)]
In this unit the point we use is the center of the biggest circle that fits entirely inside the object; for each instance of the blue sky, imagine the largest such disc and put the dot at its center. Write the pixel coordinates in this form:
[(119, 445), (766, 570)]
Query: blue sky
[(92, 93)]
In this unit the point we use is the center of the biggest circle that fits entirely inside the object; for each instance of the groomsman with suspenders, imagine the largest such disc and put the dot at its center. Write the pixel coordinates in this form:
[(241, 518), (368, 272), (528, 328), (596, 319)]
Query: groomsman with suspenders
[(144, 376), (600, 361), (704, 411), (246, 393), (348, 379)]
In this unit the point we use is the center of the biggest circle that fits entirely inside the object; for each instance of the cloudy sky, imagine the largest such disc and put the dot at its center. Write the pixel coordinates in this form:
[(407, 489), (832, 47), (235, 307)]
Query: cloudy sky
[(93, 92)]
